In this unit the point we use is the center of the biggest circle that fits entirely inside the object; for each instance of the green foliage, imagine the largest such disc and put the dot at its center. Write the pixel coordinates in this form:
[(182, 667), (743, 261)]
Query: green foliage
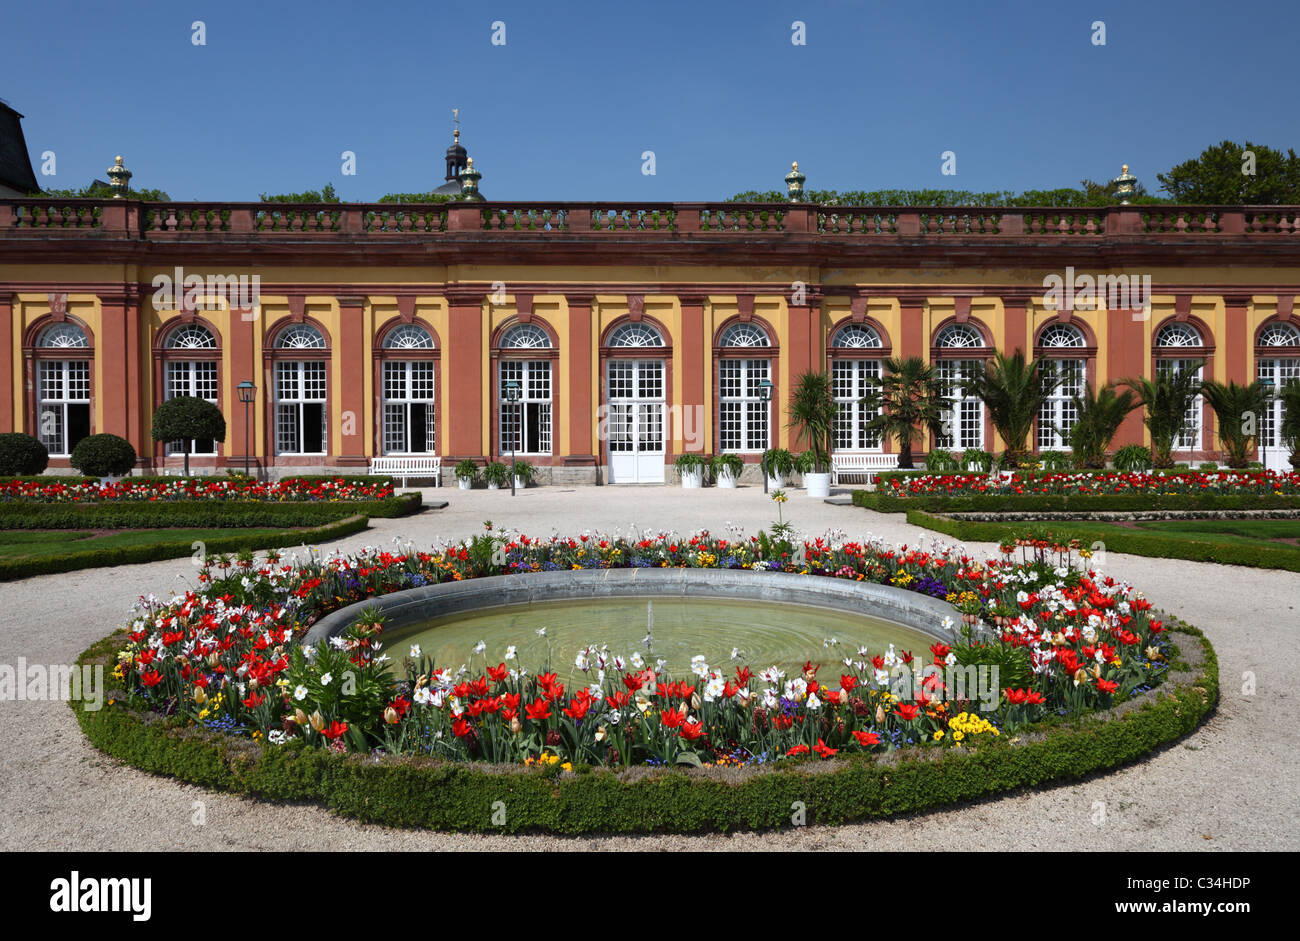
[(1015, 670), (1165, 401), (454, 796), (977, 457), (940, 461), (1055, 460), (1088, 194), (523, 471), (22, 455), (103, 455), (776, 462), (1083, 503), (102, 191), (429, 197), (687, 462), (188, 418), (733, 464), (812, 413), (1240, 409), (1216, 177), (497, 473), (1012, 389), (1289, 429), (908, 397), (324, 195), (467, 470), (1099, 418), (1133, 457)]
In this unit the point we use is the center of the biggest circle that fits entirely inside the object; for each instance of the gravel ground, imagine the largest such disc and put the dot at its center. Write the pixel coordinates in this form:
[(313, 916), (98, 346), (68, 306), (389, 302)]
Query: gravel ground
[(1229, 786)]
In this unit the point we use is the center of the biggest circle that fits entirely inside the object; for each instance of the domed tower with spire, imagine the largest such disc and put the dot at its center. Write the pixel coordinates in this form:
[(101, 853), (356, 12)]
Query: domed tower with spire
[(457, 160)]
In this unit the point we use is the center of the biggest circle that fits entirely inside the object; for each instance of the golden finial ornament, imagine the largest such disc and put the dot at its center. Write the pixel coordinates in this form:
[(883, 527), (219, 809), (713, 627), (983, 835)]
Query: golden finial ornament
[(118, 178)]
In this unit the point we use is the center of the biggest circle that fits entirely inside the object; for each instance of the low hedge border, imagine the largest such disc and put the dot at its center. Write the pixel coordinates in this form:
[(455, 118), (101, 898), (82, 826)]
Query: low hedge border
[(25, 567), (197, 514), (418, 792), (1148, 544), (1119, 502)]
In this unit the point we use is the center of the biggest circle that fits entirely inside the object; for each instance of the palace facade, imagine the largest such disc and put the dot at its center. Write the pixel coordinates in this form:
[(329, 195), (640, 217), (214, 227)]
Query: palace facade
[(635, 332)]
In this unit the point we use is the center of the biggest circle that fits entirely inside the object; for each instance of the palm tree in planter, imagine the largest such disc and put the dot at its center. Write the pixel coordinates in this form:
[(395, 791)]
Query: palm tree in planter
[(812, 414), (1239, 409), (1012, 389), (1099, 418), (1165, 401), (909, 397), (1289, 430)]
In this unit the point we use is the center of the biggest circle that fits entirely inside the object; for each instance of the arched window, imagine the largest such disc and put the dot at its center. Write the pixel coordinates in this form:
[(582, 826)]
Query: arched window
[(1058, 413), (300, 391), (63, 388), (189, 370), (855, 356), (743, 414), (635, 334), (952, 359), (1278, 363), (525, 426), (409, 384), (1173, 341)]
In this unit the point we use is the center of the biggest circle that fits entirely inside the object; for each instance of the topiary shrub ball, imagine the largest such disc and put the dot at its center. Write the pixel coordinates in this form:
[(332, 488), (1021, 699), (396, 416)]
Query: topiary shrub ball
[(22, 454), (103, 455)]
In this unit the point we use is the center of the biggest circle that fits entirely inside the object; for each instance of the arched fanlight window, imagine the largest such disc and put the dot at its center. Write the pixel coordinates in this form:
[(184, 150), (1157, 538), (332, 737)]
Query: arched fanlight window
[(743, 334), (958, 336), (1061, 335), (300, 336), (1280, 334), (1177, 335), (856, 336), (191, 336), (62, 336), (408, 336), (525, 336), (635, 334)]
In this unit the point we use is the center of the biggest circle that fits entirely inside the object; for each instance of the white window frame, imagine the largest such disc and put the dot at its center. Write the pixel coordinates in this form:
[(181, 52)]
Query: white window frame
[(744, 419), (406, 377), (290, 409), (531, 416), (849, 385), (67, 375), (189, 385), (1057, 410)]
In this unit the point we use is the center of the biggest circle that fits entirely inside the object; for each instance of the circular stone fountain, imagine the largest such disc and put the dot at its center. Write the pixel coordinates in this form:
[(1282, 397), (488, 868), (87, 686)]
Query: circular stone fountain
[(672, 614)]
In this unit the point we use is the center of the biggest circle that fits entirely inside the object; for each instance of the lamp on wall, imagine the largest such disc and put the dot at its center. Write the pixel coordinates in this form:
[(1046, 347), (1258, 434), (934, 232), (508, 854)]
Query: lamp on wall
[(512, 396), (247, 393)]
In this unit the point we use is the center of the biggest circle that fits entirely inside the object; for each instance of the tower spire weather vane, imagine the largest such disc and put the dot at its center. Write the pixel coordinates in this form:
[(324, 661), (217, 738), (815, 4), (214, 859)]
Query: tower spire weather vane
[(455, 120)]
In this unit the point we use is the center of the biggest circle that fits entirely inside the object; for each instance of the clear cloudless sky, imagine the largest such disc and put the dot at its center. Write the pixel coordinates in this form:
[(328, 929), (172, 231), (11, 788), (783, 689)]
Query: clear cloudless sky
[(565, 109)]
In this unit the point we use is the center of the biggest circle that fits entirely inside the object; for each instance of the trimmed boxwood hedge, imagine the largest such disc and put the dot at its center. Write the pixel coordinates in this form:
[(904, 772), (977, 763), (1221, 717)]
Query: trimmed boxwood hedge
[(196, 514), (165, 548), (415, 792), (1016, 503), (1137, 542)]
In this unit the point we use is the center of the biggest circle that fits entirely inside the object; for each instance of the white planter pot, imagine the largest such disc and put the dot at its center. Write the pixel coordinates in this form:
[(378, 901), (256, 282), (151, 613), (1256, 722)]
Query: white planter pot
[(465, 483), (692, 479), (817, 485), (521, 483), (493, 485), (775, 483), (726, 480)]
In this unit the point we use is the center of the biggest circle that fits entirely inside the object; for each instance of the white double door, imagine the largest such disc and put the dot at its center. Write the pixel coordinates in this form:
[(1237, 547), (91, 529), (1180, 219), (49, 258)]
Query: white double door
[(635, 392)]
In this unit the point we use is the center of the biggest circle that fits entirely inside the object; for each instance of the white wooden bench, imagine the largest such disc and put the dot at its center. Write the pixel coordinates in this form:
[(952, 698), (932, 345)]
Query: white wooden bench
[(404, 467), (849, 464)]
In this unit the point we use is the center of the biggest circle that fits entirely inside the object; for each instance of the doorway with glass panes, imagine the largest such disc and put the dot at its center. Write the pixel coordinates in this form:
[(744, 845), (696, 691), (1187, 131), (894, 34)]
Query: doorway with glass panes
[(635, 391)]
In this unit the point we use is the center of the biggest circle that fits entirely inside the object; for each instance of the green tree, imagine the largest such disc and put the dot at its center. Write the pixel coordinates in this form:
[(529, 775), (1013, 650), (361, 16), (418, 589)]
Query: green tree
[(188, 419), (324, 195), (908, 397), (102, 191), (812, 414), (1013, 390), (1218, 176), (1240, 409), (1289, 430), (1165, 401), (1099, 418)]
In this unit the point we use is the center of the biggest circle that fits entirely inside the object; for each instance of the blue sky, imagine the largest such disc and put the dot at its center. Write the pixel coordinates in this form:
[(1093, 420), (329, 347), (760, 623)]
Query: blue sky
[(566, 107)]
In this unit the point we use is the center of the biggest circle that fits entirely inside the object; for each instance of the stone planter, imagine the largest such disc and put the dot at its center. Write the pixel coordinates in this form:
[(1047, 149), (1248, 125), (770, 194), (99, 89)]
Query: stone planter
[(817, 485), (693, 479)]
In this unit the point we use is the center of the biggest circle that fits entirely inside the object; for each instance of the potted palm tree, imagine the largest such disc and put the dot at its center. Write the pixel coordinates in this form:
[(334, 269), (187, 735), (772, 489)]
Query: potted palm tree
[(691, 469), (776, 464), (1165, 401), (466, 474), (1012, 389), (727, 469), (812, 415), (523, 475), (497, 475), (909, 397), (1099, 418), (1239, 408)]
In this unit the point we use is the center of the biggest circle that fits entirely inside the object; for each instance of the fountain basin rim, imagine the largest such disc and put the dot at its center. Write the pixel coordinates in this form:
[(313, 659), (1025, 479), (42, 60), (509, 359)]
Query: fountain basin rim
[(411, 606)]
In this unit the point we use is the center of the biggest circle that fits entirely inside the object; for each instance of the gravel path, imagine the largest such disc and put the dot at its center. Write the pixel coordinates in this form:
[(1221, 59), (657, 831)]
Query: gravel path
[(1230, 786)]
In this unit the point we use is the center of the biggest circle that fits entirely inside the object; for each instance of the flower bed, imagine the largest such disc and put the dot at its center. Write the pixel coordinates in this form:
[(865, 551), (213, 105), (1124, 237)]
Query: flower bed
[(189, 489), (224, 657)]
